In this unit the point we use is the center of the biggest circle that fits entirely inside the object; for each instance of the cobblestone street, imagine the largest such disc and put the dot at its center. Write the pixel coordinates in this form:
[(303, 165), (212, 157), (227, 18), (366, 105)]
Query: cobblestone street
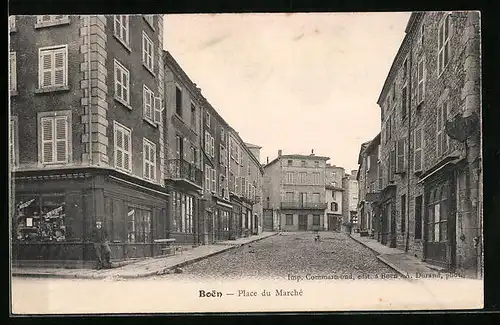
[(290, 254)]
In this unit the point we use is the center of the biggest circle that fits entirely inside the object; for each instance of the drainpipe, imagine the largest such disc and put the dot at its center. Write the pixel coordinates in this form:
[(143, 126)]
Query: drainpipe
[(408, 167)]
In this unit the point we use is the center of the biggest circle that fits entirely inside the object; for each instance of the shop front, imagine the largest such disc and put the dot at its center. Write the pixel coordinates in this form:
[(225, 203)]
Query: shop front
[(57, 212), (223, 212)]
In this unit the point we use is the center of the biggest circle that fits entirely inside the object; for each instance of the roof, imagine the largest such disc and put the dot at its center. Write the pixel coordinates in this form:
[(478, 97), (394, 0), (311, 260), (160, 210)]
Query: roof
[(253, 146), (361, 150), (297, 156), (373, 143)]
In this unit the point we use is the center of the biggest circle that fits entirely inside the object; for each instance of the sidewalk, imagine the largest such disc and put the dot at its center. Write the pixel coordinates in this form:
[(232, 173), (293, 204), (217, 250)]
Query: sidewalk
[(145, 267), (397, 259)]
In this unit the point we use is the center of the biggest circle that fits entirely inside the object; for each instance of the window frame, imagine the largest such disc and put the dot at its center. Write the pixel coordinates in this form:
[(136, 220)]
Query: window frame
[(151, 163), (150, 20), (148, 58), (178, 100), (125, 41), (123, 71), (55, 115), (40, 23), (441, 136), (288, 222), (118, 126), (420, 149), (145, 92), (444, 43), (421, 79), (13, 73), (53, 50)]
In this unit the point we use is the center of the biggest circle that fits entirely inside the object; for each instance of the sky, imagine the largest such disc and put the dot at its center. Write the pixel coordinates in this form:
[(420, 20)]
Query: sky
[(294, 82)]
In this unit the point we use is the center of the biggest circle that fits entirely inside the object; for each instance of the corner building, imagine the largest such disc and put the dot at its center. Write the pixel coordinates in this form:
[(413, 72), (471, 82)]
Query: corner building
[(86, 135)]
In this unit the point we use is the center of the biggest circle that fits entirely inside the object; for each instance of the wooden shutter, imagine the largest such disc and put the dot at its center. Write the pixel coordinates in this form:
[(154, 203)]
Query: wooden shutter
[(125, 86), (185, 153), (13, 72), (61, 136), (12, 142), (400, 161), (60, 67), (392, 165), (145, 157), (152, 158), (126, 151), (119, 148), (214, 180), (439, 132), (157, 110), (207, 177), (47, 140), (46, 69), (418, 150)]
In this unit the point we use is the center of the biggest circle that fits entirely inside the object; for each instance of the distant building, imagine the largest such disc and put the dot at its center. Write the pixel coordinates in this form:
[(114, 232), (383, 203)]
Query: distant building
[(350, 199), (333, 197), (294, 192)]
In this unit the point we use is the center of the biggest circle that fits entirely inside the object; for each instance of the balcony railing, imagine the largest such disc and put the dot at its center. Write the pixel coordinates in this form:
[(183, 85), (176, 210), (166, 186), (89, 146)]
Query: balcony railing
[(304, 205), (183, 170)]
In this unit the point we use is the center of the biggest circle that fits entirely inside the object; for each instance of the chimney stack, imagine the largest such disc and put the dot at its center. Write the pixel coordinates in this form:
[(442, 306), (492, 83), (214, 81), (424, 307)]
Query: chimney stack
[(312, 152), (268, 159), (280, 152)]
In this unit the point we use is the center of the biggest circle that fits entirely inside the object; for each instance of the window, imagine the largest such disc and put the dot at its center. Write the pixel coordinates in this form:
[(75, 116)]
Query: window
[(418, 217), (289, 196), (214, 180), (208, 175), (138, 225), (122, 89), (55, 144), (393, 96), (334, 184), (401, 157), (149, 159), (222, 158), (222, 136), (123, 147), (316, 178), (368, 161), (404, 108), (290, 163), (303, 178), (444, 44), (194, 159), (13, 73), (442, 139), (437, 224), (316, 220), (315, 197), (422, 33), (193, 115), (303, 163), (334, 206), (289, 178), (207, 119), (212, 146), (403, 213), (13, 141), (405, 69), (150, 20), (178, 101), (51, 20), (418, 151), (53, 66), (316, 164), (183, 211), (121, 29), (392, 165), (148, 97), (420, 80), (147, 52), (12, 24), (289, 220)]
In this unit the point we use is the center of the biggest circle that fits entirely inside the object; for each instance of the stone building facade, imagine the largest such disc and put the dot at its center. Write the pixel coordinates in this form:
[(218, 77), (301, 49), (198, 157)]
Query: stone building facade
[(350, 201), (86, 137), (333, 197), (430, 137)]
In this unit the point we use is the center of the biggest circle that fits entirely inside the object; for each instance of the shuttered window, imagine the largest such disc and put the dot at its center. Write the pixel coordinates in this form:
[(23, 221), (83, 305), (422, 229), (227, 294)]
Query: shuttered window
[(418, 151), (12, 142), (443, 44), (401, 156), (54, 139), (53, 66), (123, 147), (420, 80), (149, 159), (13, 72), (208, 175), (122, 89), (148, 97), (212, 146), (214, 180), (442, 140), (147, 51), (121, 28)]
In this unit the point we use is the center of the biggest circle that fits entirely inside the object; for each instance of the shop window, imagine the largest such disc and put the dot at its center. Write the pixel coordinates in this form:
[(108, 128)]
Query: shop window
[(183, 208), (138, 225), (437, 210), (40, 218)]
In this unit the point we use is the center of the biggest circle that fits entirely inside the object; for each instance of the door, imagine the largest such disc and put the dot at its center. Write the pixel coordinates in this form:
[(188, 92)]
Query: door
[(383, 225), (268, 220), (302, 222), (392, 216)]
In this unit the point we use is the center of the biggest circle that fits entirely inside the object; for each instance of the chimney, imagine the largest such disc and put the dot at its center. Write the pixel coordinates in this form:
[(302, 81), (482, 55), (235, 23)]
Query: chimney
[(268, 159), (280, 152), (312, 152)]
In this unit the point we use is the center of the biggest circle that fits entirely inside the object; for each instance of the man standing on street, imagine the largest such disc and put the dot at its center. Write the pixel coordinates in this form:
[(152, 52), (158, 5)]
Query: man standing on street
[(101, 246)]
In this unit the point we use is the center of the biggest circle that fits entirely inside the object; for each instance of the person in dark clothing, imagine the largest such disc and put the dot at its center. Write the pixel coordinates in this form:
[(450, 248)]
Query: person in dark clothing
[(101, 247)]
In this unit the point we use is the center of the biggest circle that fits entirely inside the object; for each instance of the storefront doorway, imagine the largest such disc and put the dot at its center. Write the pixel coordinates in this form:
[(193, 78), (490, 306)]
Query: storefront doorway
[(302, 222)]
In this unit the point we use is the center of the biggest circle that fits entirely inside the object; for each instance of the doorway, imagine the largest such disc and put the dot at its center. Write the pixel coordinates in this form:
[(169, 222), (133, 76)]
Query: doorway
[(302, 222)]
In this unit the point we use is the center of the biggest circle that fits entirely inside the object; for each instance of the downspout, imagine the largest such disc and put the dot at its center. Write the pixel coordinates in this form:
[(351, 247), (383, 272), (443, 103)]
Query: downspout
[(408, 167)]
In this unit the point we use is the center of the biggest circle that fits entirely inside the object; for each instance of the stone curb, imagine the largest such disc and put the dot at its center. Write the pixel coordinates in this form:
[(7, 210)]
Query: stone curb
[(134, 276)]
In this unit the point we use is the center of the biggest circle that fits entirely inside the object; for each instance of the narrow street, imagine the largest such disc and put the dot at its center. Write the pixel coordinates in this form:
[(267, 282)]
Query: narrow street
[(294, 253)]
